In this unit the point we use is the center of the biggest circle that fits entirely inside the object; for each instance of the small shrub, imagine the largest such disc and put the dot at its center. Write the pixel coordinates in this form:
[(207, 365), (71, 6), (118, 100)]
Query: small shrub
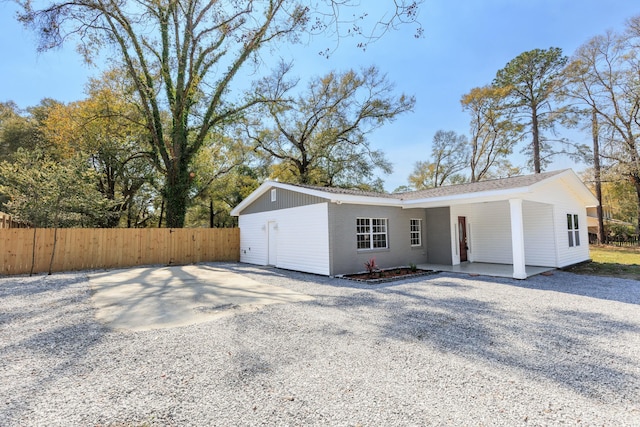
[(413, 267), (619, 231), (371, 265)]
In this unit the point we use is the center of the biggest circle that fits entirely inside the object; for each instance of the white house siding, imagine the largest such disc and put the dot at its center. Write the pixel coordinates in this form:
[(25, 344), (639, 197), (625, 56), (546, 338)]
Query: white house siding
[(488, 232), (302, 238), (253, 238), (539, 237), (565, 202), (545, 230)]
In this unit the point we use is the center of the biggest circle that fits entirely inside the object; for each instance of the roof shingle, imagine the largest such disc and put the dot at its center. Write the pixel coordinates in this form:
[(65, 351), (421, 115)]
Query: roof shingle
[(480, 186), (449, 190)]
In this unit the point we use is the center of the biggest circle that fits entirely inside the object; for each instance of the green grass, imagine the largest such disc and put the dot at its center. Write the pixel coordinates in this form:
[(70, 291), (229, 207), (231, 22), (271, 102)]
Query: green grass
[(628, 255), (612, 261)]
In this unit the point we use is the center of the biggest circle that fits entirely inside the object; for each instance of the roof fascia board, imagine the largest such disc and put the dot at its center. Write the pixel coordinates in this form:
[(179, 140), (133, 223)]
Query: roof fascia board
[(570, 178), (579, 187), (251, 198), (363, 200), (342, 198)]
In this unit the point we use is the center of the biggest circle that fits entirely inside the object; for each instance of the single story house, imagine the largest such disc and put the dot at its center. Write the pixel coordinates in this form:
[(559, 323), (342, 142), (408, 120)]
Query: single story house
[(532, 220)]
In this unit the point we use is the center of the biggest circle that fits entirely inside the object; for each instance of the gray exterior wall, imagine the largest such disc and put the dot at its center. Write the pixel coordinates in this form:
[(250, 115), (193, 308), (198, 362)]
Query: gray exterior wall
[(439, 232), (345, 258), (284, 199)]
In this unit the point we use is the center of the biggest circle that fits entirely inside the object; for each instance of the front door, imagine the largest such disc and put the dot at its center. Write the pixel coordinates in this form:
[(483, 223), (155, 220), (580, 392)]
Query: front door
[(462, 237), (273, 243)]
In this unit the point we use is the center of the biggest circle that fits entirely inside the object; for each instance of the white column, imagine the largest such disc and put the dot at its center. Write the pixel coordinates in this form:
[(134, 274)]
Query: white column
[(517, 239)]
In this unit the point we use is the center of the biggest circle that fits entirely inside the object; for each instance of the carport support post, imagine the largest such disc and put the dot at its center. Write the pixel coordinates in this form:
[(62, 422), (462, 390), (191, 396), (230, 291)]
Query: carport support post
[(517, 239)]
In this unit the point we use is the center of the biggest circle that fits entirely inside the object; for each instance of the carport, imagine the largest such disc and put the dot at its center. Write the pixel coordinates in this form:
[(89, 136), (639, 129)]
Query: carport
[(516, 227), (512, 238)]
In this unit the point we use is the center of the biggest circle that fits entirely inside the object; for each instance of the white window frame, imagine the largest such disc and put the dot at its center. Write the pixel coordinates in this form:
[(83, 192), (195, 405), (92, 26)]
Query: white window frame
[(415, 232), (369, 232), (273, 194), (573, 230)]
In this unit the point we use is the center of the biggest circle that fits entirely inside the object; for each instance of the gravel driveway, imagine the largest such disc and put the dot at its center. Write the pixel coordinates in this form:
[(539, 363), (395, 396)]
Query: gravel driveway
[(437, 350)]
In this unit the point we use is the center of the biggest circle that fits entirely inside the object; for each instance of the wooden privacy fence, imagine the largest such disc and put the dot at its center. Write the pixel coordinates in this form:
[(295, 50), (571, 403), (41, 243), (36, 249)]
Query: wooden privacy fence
[(98, 248)]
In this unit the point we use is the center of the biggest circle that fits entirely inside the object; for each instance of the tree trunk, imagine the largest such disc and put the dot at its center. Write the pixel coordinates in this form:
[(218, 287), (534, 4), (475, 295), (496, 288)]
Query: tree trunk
[(53, 250), (129, 218), (176, 194), (473, 171), (635, 179), (178, 182), (536, 141), (211, 213), (33, 252), (596, 173), (176, 208), (161, 212)]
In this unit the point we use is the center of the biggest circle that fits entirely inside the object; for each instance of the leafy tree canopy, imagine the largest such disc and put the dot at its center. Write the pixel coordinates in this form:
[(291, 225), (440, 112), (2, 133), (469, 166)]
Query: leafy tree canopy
[(183, 55), (449, 157), (603, 77), (52, 193), (319, 136), (533, 81), (493, 132), (107, 129)]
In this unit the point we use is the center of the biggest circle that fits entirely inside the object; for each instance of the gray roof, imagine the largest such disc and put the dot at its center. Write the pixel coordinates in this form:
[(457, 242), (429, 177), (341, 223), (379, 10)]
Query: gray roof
[(480, 186), (449, 190), (473, 190), (348, 191)]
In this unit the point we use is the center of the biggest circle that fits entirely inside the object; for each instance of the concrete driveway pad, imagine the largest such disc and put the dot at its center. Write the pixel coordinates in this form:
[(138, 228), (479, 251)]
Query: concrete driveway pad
[(166, 297)]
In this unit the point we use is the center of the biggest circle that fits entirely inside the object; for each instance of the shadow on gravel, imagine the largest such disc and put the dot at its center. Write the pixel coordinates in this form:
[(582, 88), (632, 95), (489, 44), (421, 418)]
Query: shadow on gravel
[(568, 347), (605, 288), (46, 330), (317, 279), (29, 286), (573, 346)]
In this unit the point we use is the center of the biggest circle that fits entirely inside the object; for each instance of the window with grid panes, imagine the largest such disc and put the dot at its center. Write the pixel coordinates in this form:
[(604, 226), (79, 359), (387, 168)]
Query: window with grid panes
[(416, 232), (573, 230), (371, 233)]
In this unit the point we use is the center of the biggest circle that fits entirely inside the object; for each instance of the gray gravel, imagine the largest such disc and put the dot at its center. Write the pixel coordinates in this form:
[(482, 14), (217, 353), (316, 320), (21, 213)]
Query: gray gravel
[(438, 350)]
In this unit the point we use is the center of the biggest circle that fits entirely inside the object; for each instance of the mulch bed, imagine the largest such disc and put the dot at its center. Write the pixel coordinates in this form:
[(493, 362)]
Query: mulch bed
[(386, 275)]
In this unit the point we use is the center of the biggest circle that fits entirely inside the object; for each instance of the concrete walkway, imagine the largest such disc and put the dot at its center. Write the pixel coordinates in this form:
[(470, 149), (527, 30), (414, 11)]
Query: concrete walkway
[(166, 297), (485, 269)]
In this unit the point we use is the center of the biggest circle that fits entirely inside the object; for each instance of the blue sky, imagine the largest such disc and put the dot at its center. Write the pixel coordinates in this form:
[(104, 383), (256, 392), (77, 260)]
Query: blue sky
[(464, 44)]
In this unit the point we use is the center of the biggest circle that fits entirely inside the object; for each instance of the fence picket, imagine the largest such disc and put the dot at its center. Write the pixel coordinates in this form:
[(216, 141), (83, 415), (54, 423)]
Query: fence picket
[(96, 248)]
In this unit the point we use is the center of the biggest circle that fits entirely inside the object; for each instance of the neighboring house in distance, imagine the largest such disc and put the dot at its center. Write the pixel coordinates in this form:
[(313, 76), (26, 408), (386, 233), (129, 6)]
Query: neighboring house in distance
[(532, 220), (592, 221), (6, 221)]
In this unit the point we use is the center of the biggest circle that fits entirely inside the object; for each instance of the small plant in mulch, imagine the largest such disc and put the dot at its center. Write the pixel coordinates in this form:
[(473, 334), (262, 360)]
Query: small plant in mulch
[(371, 266), (377, 275)]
